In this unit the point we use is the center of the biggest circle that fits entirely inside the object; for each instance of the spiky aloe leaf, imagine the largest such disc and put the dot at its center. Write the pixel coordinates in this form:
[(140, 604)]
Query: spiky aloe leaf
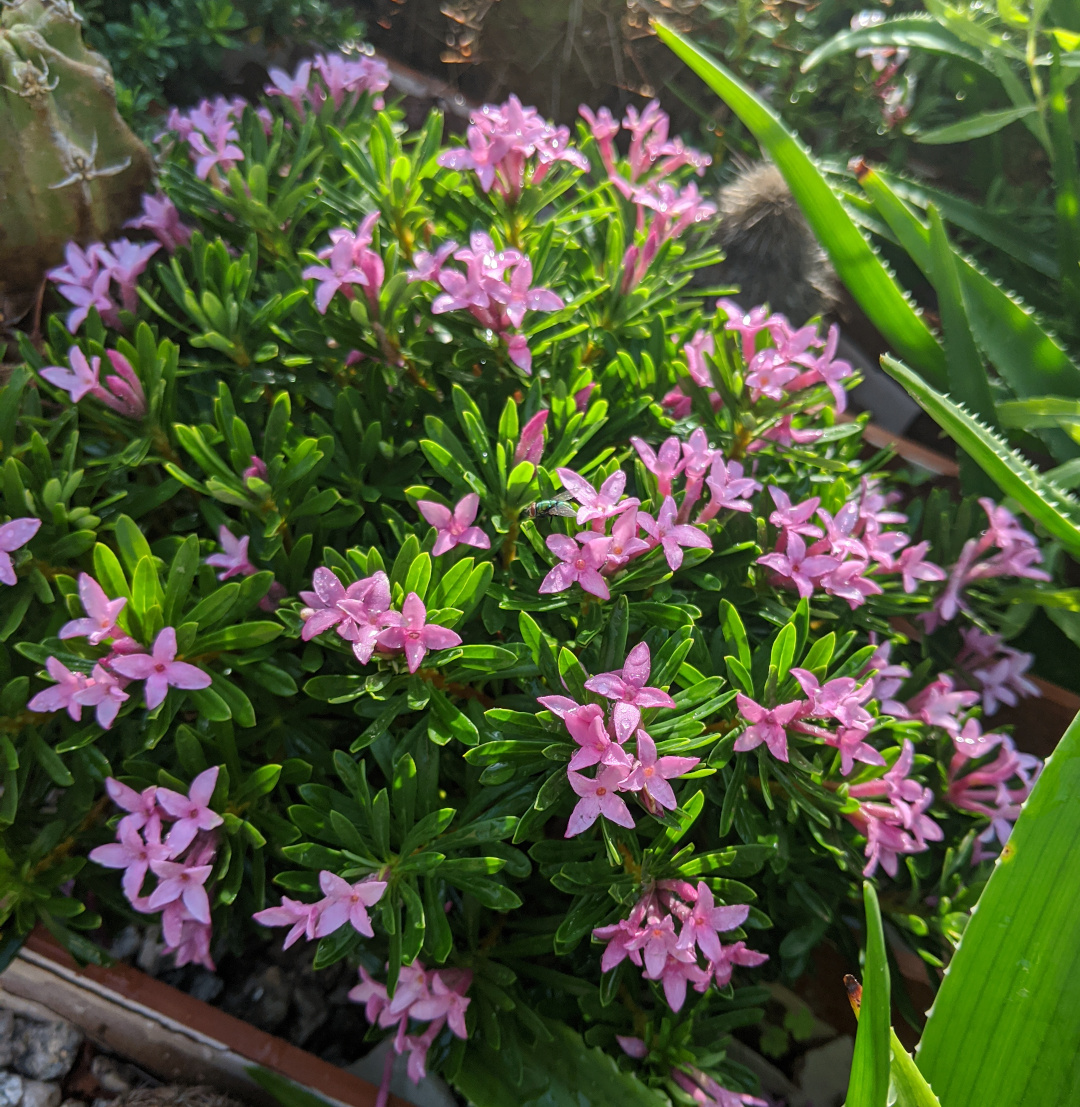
[(855, 260), (1041, 500)]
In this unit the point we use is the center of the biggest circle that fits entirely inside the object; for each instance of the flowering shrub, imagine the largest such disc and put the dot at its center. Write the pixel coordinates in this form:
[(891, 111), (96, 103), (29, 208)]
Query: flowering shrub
[(511, 606)]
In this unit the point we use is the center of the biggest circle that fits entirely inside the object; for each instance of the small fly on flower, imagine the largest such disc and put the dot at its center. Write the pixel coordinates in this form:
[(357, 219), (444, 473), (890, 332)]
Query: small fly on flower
[(546, 509)]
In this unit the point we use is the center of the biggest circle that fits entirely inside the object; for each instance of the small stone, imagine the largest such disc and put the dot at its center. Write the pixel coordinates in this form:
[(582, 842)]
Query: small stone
[(40, 1093), (45, 1050), (7, 1032), (207, 987), (11, 1089), (73, 1103), (126, 944), (114, 1076)]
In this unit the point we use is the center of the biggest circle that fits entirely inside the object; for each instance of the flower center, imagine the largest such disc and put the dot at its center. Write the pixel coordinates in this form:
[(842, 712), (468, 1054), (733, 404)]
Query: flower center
[(159, 668), (412, 635), (601, 791), (579, 564), (650, 770)]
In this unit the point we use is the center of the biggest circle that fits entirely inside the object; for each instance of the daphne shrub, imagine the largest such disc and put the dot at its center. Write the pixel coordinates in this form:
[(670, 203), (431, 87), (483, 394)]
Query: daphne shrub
[(441, 579)]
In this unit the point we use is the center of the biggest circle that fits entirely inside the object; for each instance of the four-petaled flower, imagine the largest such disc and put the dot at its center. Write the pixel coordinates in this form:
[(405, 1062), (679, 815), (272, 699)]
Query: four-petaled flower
[(347, 903), (599, 796), (597, 505), (577, 563), (654, 772), (629, 691), (672, 535), (160, 669), (766, 725), (233, 561), (101, 613), (13, 536), (454, 527), (409, 630), (191, 812)]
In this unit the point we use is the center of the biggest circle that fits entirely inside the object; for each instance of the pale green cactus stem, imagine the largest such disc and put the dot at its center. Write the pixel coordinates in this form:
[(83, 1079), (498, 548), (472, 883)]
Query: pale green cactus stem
[(70, 168)]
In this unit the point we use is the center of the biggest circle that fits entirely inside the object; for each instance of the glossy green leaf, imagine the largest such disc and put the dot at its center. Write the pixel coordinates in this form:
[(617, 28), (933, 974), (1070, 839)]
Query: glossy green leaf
[(1042, 501), (974, 126), (1067, 187), (918, 32), (858, 266), (869, 1085), (909, 1084), (1005, 1026)]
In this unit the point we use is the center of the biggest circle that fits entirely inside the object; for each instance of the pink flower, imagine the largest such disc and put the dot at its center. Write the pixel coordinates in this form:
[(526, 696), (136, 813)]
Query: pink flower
[(339, 276), (80, 379), (728, 488), (914, 567), (367, 602), (180, 881), (681, 969), (654, 773), (938, 704), (847, 582), (629, 691), (371, 993), (161, 218), (193, 946), (632, 1047), (294, 88), (101, 613), (142, 806), (581, 564), (454, 528), (665, 465), (427, 267), (702, 343), (766, 725), (83, 283), (797, 568), (410, 632), (215, 147), (301, 917), (61, 696), (445, 1002), (530, 445), (105, 693), (125, 391), (160, 669), (323, 611), (132, 854), (794, 519), (703, 923), (657, 940), (517, 297), (672, 535), (625, 543), (13, 536), (597, 506), (126, 261), (347, 903), (256, 469), (731, 956), (748, 325), (598, 797), (707, 1093), (234, 560), (826, 369), (192, 811), (586, 727)]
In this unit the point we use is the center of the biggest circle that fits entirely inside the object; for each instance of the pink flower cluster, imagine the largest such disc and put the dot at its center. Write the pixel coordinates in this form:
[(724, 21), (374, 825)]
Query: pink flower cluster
[(342, 903), (340, 77), (602, 741), (182, 863), (434, 996), (1017, 555), (706, 1092), (896, 97), (86, 277), (361, 613), (126, 661), (351, 262), (985, 790), (14, 534), (900, 825), (997, 669), (495, 288), (665, 932), (593, 556), (209, 131), (122, 390), (845, 548), (500, 141), (663, 211)]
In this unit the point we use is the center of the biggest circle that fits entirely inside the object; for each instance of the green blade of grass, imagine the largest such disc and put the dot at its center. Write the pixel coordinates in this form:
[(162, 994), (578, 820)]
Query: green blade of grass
[(869, 1084), (858, 266)]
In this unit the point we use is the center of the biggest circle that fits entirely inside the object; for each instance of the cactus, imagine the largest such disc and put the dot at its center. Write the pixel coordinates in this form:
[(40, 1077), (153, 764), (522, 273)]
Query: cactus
[(70, 168)]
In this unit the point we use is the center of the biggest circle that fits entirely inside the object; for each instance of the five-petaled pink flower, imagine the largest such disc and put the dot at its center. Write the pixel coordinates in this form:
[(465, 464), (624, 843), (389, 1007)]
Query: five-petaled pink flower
[(13, 536), (160, 669), (454, 527), (101, 614), (192, 812), (629, 691), (577, 563), (408, 630), (598, 797), (766, 725), (347, 903)]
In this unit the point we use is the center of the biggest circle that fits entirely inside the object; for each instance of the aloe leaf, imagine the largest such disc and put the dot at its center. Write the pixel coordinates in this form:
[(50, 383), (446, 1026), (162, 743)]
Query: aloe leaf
[(975, 126), (1067, 182), (1031, 361), (1044, 502), (869, 1083), (858, 266), (911, 1087), (918, 32), (1005, 1026), (1039, 411)]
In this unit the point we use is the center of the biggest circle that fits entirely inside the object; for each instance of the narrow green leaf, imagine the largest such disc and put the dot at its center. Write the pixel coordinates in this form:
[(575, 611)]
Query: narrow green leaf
[(1067, 191), (974, 126), (919, 32), (1005, 1026), (869, 1085), (861, 270), (910, 1085)]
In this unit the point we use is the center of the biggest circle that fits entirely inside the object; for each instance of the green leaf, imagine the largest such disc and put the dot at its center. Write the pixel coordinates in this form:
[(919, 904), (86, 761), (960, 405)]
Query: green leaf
[(974, 126), (132, 543), (917, 32), (869, 1084), (1005, 1027), (861, 270), (1067, 187), (524, 1074), (1042, 501), (245, 636), (910, 1085)]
